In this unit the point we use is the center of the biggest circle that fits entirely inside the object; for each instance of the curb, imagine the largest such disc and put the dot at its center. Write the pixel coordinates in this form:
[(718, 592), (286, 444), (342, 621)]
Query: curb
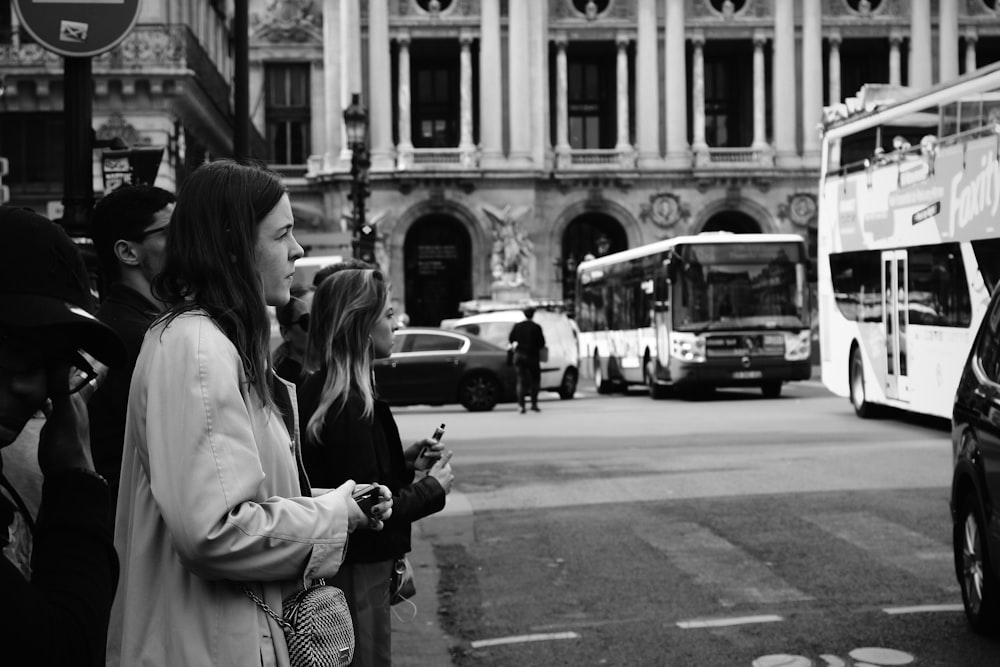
[(418, 640)]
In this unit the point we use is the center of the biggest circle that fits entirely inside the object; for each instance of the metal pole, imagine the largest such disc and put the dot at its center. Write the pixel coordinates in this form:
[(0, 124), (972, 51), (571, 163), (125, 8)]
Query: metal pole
[(241, 82), (78, 187)]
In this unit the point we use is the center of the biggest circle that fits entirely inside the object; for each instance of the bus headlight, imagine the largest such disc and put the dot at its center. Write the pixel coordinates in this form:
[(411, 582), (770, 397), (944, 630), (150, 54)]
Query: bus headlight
[(687, 346), (798, 346)]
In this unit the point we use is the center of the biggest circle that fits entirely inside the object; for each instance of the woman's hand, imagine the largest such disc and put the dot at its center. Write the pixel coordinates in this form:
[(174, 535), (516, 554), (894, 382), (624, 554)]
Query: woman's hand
[(424, 454), (381, 510), (355, 517), (441, 471)]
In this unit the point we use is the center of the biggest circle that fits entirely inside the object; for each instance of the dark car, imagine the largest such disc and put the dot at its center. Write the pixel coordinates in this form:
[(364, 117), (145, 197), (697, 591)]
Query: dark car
[(434, 366), (975, 485)]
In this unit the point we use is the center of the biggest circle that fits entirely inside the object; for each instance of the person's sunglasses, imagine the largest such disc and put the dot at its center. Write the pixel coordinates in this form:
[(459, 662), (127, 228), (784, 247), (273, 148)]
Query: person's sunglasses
[(149, 232), (18, 357), (302, 322)]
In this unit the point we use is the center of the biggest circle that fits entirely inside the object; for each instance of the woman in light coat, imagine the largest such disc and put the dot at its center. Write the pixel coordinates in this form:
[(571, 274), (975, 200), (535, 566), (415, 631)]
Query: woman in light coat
[(213, 495)]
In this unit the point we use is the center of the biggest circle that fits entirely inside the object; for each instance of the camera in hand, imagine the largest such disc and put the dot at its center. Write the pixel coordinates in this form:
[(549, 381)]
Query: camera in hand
[(366, 496)]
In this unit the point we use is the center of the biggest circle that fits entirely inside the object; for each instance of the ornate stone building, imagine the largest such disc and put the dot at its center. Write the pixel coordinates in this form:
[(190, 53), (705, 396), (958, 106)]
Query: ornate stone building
[(508, 138)]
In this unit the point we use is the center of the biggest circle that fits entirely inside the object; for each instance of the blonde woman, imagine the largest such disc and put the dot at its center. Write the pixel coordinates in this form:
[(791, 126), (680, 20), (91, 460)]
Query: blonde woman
[(350, 434)]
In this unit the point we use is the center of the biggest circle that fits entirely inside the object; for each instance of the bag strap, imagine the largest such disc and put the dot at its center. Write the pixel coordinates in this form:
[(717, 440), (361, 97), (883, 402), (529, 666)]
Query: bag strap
[(285, 625)]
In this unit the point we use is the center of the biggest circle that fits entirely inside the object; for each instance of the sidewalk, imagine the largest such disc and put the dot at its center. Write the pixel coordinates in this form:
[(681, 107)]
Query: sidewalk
[(420, 641)]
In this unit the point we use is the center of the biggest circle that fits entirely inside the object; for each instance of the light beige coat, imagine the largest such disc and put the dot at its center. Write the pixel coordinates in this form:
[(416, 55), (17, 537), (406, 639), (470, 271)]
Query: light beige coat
[(209, 499)]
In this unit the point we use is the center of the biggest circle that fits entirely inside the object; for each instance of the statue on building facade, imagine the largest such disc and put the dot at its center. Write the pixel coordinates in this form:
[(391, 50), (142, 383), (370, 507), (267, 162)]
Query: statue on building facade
[(510, 261)]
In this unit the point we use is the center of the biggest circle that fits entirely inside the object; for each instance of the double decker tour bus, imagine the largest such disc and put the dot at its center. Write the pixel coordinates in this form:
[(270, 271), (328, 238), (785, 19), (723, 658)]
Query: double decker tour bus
[(697, 312), (908, 249)]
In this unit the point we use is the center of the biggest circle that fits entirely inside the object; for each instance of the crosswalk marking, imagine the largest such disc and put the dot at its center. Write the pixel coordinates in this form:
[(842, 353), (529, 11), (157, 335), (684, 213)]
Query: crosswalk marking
[(733, 575), (892, 544)]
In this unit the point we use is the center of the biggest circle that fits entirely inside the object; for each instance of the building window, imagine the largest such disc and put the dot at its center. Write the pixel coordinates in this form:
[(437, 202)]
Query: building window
[(591, 97), (729, 94), (34, 144), (287, 113), (436, 93)]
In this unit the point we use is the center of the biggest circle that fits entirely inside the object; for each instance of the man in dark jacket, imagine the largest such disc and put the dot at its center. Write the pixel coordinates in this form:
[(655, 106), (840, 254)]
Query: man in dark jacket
[(527, 339), (130, 237), (58, 570)]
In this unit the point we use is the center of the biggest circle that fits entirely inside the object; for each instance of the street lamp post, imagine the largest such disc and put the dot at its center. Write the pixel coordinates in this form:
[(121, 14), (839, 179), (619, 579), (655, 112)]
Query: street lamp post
[(356, 123)]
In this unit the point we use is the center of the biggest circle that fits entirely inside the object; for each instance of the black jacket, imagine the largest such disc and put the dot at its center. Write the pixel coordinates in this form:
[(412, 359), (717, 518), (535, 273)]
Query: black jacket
[(129, 314), (60, 617), (528, 336), (366, 450)]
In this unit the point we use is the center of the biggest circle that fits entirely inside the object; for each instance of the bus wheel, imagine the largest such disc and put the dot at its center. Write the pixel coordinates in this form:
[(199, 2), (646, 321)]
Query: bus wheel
[(601, 384), (771, 389), (656, 391), (862, 408)]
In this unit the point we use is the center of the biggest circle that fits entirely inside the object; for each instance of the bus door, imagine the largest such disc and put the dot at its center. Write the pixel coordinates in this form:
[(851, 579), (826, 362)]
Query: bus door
[(894, 320)]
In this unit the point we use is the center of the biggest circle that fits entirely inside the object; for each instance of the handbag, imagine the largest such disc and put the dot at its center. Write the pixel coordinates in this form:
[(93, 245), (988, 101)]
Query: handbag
[(401, 584), (317, 625), (543, 355)]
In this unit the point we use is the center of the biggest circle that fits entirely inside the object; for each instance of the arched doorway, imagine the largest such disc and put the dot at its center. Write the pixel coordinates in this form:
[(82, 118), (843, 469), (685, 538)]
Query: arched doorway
[(437, 256), (736, 222), (595, 234)]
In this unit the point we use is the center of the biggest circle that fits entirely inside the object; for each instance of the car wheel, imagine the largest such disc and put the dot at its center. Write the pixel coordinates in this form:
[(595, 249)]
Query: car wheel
[(771, 389), (600, 382), (479, 392), (862, 408), (975, 569), (567, 389)]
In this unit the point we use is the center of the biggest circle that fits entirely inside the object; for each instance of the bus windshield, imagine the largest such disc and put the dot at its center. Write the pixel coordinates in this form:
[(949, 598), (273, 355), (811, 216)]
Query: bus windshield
[(739, 286)]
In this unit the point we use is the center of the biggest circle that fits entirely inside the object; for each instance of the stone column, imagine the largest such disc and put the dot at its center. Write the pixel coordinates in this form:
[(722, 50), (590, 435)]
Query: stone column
[(333, 120), (647, 130), (404, 150), (833, 67), (466, 147), (895, 67), (317, 122), (784, 92), (698, 144), (490, 97), (623, 144), (675, 71), (759, 92), (379, 86), (920, 45), (563, 157), (350, 48), (812, 79), (519, 76), (947, 41), (971, 37), (540, 141)]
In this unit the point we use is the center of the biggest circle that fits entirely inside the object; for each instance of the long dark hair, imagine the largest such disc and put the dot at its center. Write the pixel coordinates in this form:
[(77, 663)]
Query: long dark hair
[(210, 259)]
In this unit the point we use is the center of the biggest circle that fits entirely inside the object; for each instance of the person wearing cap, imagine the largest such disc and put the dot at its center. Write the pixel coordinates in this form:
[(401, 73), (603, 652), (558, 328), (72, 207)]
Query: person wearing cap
[(528, 341), (58, 569), (213, 502), (130, 235)]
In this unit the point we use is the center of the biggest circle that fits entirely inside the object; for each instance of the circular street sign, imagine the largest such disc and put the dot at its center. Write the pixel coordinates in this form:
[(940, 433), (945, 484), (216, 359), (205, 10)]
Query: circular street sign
[(78, 28)]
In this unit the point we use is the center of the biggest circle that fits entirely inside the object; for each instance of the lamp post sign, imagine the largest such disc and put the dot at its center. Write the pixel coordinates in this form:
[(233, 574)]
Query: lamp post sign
[(78, 28)]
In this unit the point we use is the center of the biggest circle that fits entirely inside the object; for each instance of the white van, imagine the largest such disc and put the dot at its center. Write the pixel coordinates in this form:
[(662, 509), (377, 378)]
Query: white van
[(562, 371)]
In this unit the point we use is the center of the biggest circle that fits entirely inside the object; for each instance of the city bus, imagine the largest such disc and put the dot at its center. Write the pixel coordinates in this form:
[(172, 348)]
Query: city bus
[(693, 313), (908, 249)]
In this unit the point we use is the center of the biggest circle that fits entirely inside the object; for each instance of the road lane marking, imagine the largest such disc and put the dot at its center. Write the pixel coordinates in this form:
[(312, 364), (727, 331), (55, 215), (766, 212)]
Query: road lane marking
[(725, 622), (732, 574), (924, 609), (520, 639), (894, 545)]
